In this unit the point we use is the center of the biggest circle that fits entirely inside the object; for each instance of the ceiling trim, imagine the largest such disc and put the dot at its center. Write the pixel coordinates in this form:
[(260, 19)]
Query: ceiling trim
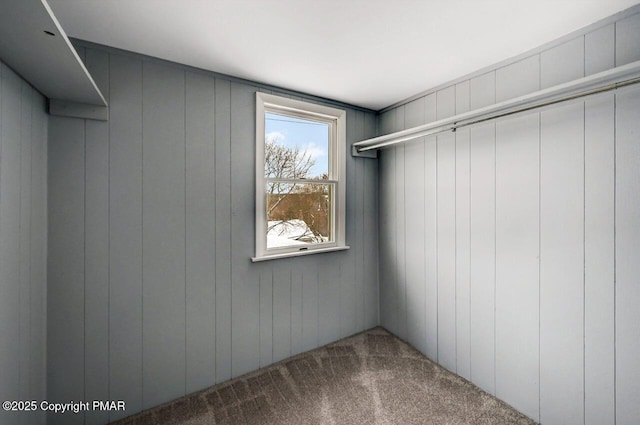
[(633, 10)]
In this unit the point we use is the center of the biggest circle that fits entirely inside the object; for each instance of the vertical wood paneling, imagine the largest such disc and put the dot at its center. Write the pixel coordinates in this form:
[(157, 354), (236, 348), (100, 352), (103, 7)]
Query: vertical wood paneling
[(5, 293), (348, 287), (446, 102), (296, 312), (310, 301), (482, 90), (399, 260), (599, 249), (163, 229), (370, 229), (200, 231), (562, 265), (562, 63), (244, 292), (627, 36), (627, 258), (25, 239), (329, 300), (599, 240), (223, 232), (387, 236), (65, 335), (10, 111), (415, 235), (446, 233), (357, 221), (599, 50), (517, 250), (125, 232), (518, 78), (517, 247), (462, 97), (96, 332), (430, 229), (281, 313), (482, 261), (38, 295), (463, 252), (387, 211), (387, 165), (385, 122), (266, 317), (384, 186)]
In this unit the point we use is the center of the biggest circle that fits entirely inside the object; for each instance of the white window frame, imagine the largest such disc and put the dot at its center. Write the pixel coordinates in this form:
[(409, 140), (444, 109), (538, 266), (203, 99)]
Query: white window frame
[(266, 103)]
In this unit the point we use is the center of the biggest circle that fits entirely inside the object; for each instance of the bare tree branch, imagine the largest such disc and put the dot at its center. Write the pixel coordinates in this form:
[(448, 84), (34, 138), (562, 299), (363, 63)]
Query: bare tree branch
[(311, 200), (285, 163)]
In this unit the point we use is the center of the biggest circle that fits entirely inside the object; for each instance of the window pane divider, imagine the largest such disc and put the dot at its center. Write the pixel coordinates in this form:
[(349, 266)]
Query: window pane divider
[(302, 181)]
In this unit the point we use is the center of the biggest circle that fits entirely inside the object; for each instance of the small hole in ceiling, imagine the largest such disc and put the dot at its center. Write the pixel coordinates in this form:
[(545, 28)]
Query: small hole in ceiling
[(49, 33)]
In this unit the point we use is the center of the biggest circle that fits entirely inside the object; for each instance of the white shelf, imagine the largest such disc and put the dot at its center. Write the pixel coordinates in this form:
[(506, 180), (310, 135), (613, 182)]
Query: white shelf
[(48, 62)]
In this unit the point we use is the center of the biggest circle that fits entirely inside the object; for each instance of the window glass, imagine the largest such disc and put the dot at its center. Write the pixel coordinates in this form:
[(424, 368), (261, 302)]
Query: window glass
[(296, 148), (299, 214)]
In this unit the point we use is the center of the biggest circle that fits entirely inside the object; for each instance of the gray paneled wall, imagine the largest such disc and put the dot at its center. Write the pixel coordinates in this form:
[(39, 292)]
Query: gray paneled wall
[(510, 251), (23, 234), (152, 292)]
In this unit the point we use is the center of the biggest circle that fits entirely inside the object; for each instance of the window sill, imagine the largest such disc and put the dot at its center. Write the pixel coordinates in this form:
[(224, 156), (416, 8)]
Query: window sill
[(299, 253)]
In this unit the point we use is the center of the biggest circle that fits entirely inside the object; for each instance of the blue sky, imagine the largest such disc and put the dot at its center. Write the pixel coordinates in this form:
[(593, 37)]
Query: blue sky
[(308, 135)]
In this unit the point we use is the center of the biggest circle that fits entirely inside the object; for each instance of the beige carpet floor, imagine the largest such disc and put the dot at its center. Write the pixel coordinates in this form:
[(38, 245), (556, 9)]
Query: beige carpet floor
[(369, 378)]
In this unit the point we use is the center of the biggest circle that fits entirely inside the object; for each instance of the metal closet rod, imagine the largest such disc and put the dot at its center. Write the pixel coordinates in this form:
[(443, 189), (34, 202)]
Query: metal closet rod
[(612, 79)]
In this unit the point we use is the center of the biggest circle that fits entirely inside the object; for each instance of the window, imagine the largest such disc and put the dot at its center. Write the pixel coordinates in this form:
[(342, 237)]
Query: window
[(300, 178)]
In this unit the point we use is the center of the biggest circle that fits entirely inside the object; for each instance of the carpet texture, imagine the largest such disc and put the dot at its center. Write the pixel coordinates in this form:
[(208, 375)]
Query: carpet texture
[(369, 378)]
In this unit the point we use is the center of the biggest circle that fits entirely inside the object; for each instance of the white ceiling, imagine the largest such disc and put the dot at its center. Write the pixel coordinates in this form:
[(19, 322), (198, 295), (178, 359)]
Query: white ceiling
[(370, 53)]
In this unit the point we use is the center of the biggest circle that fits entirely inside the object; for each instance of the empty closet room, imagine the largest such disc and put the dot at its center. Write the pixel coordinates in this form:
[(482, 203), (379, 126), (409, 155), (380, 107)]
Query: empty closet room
[(338, 212)]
